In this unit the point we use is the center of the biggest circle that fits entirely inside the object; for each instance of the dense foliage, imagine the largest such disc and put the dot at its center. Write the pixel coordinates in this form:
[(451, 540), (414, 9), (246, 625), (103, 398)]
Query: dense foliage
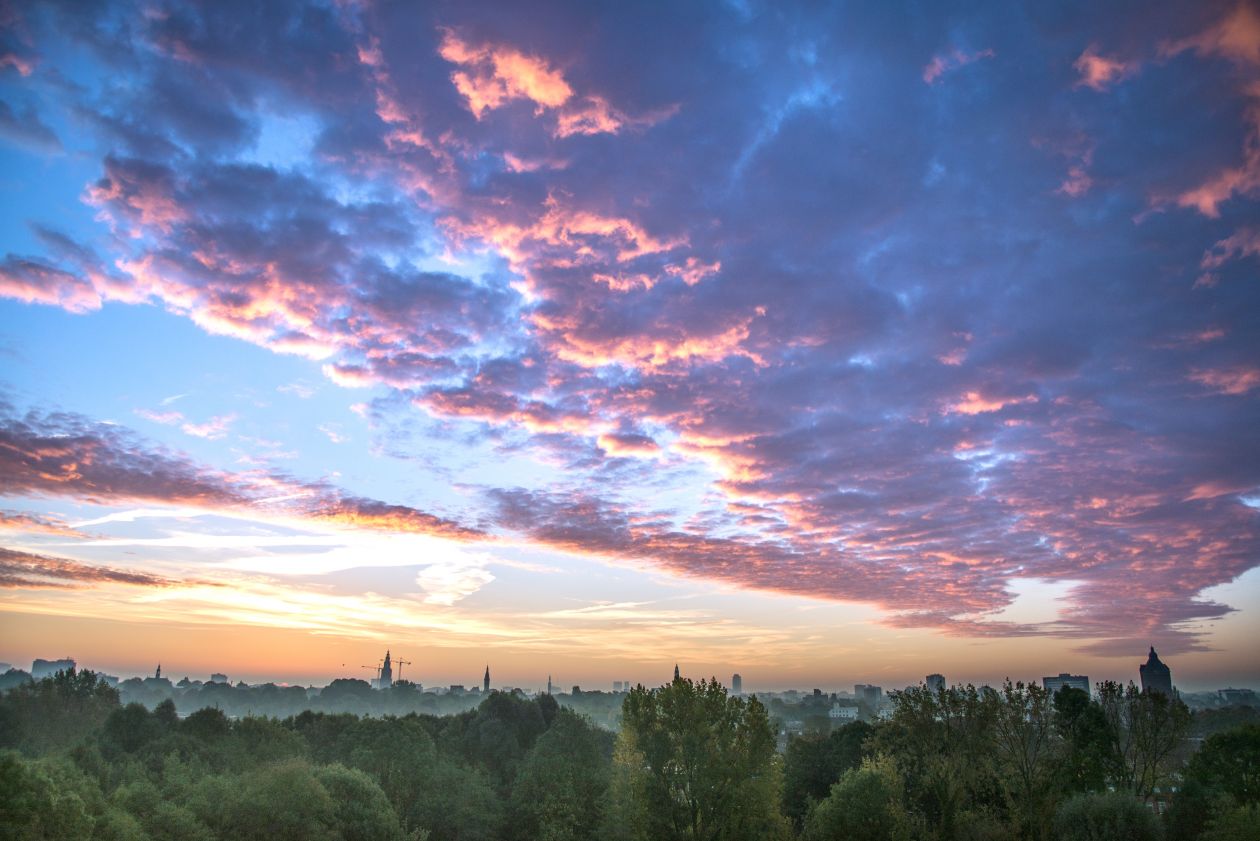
[(690, 762)]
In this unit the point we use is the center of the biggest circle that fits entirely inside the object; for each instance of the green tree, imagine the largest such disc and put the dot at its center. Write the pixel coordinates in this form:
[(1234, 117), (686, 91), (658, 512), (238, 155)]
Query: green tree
[(1241, 823), (1025, 745), (943, 745), (1085, 741), (55, 712), (699, 765), (1114, 816), (280, 802), (1145, 732), (865, 805), (812, 765), (1229, 762), (562, 782), (361, 812), (34, 806)]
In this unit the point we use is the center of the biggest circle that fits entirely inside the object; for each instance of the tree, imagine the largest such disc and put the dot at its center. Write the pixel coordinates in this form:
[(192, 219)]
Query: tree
[(1238, 824), (812, 765), (1085, 741), (561, 783), (865, 805), (1145, 730), (943, 745), (1114, 816), (1024, 745), (361, 812), (33, 806), (55, 712), (699, 765), (1229, 762)]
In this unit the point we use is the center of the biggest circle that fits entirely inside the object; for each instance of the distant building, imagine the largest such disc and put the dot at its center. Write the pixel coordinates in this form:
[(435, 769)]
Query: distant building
[(577, 690), (1156, 677), (843, 714), (676, 674), (548, 684), (457, 689), (45, 668), (935, 682), (616, 686), (737, 684), (485, 683), (1054, 684), (158, 674), (1245, 697), (387, 673), (219, 677), (868, 694)]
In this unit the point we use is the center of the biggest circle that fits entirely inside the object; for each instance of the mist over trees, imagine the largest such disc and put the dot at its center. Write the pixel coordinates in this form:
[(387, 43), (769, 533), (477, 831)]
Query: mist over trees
[(690, 762)]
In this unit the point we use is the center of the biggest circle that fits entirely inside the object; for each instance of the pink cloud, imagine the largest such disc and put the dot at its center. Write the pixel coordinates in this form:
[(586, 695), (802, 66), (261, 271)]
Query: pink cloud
[(627, 445), (33, 282), (693, 270), (1099, 72), (212, 430), (976, 403), (23, 66), (1234, 381), (67, 456), (164, 418), (23, 523), (945, 62), (1077, 183), (1236, 36), (494, 75), (25, 570), (1245, 242)]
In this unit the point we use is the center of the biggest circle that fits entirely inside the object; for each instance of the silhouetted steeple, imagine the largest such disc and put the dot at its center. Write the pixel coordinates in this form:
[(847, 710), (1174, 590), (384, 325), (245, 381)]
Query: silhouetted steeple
[(485, 683), (676, 675), (387, 673)]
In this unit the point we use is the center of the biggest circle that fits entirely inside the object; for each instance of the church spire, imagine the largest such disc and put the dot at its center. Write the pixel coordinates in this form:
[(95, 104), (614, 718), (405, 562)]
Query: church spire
[(485, 683), (676, 675)]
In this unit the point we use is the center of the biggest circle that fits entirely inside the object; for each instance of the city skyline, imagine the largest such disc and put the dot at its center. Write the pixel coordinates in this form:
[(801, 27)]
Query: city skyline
[(818, 345)]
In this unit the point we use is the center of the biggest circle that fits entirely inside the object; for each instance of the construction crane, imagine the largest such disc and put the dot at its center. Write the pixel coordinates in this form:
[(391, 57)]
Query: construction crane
[(400, 664), (376, 669)]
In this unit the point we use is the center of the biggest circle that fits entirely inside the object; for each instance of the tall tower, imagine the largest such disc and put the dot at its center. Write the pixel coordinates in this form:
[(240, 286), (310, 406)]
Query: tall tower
[(676, 675), (1156, 677), (936, 683), (159, 668), (387, 673), (548, 684), (485, 683), (737, 684)]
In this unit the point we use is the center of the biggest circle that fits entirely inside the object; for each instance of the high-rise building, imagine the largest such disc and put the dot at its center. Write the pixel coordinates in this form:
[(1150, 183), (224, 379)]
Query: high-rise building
[(1054, 684), (43, 668), (485, 682), (1156, 677), (935, 682), (869, 694), (737, 684), (387, 673)]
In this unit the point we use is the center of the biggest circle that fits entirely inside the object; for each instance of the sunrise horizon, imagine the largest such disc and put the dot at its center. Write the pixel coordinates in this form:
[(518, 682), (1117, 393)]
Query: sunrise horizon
[(825, 346)]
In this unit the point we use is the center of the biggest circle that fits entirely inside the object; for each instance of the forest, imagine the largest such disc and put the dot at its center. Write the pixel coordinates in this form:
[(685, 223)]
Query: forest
[(689, 761)]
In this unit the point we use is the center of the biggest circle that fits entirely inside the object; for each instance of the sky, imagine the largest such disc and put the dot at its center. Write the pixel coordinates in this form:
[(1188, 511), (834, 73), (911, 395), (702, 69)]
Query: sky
[(823, 343)]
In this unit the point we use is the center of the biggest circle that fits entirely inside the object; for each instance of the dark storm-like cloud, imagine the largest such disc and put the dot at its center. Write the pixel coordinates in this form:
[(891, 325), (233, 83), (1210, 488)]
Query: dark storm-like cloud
[(926, 303)]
